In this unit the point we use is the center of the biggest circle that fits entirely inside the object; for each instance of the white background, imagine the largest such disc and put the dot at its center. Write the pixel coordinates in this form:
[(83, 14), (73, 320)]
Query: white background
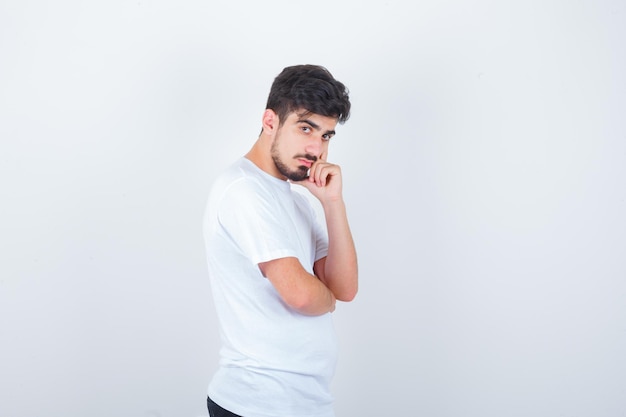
[(485, 178)]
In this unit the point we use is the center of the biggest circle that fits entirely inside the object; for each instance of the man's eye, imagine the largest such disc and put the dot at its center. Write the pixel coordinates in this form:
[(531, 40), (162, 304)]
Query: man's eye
[(306, 129), (326, 137)]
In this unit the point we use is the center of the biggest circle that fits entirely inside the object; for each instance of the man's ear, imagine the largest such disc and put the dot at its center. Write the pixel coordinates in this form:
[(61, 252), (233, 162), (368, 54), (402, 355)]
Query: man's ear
[(270, 121)]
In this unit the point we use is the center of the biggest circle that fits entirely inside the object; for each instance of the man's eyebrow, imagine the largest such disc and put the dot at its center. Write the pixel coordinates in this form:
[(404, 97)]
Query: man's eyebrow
[(315, 126)]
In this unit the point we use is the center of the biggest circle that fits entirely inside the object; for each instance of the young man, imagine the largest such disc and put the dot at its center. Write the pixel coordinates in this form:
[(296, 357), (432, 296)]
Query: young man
[(275, 272)]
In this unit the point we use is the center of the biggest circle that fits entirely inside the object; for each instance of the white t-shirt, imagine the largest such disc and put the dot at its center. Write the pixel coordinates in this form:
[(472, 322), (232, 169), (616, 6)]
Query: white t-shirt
[(274, 361)]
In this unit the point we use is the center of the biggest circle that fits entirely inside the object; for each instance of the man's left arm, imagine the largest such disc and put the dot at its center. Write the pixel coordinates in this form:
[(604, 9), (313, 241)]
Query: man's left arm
[(338, 270)]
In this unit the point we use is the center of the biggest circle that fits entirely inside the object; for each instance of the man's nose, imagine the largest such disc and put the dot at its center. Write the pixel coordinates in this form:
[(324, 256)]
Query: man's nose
[(314, 146)]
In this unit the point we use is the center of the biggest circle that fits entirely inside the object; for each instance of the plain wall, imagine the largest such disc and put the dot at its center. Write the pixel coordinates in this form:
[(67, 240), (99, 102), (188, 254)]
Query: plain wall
[(485, 178)]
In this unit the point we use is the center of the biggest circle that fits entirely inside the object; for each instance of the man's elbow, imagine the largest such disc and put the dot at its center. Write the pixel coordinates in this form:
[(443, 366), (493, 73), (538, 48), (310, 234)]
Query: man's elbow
[(348, 294), (309, 305)]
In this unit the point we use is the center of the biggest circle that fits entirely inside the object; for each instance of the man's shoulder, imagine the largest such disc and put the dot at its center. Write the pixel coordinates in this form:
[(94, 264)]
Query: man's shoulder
[(237, 172), (241, 183)]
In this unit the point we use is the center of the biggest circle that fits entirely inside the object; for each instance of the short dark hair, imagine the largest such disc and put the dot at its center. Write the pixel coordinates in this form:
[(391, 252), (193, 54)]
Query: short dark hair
[(311, 88)]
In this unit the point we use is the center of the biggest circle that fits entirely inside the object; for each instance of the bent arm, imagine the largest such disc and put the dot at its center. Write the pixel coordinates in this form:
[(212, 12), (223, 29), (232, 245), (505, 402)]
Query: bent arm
[(298, 289), (338, 270)]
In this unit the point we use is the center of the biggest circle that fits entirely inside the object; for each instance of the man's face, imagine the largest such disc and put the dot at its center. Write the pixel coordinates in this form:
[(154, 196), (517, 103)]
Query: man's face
[(300, 141)]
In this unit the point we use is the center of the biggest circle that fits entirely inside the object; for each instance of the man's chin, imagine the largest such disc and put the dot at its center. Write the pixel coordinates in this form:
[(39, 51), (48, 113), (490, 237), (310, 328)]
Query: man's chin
[(301, 174)]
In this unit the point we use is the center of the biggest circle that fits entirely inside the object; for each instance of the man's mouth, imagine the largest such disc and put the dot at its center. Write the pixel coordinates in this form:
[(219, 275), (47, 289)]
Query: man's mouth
[(306, 160)]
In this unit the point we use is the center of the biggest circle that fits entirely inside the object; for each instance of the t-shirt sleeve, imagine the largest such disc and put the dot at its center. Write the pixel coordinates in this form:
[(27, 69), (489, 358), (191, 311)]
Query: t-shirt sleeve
[(321, 242), (319, 232), (252, 220)]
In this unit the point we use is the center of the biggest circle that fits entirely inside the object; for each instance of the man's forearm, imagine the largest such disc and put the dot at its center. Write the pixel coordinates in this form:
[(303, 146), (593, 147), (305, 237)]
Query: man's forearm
[(298, 289), (340, 269)]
